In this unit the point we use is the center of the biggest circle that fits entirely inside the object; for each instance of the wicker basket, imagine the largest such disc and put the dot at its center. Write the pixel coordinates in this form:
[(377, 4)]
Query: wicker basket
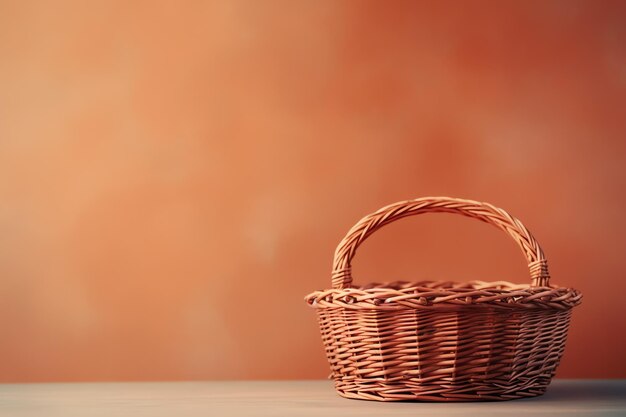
[(443, 341)]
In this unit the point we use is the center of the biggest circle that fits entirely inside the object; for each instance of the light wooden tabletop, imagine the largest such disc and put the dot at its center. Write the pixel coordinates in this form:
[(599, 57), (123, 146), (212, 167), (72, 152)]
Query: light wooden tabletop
[(285, 398)]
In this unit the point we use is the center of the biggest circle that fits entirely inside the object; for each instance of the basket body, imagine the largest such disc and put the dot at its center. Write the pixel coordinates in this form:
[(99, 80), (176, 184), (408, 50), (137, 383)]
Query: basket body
[(464, 354)]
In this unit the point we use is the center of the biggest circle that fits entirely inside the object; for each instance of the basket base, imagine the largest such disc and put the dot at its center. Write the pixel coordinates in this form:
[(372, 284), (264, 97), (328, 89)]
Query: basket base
[(439, 393)]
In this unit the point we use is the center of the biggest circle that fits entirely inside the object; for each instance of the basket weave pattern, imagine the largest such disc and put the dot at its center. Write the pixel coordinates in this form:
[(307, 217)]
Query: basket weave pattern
[(443, 340)]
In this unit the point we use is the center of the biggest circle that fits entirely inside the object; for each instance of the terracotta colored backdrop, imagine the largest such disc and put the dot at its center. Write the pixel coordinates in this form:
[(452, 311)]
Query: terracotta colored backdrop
[(174, 176)]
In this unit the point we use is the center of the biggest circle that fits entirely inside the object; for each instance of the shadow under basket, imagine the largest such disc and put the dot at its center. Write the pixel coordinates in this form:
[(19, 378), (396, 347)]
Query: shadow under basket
[(443, 341)]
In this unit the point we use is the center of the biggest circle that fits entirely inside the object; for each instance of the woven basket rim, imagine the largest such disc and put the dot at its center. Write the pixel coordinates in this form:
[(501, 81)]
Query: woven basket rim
[(446, 294)]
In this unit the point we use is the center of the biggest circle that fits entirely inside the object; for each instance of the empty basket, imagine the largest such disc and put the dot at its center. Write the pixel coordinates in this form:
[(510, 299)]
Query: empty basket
[(443, 341)]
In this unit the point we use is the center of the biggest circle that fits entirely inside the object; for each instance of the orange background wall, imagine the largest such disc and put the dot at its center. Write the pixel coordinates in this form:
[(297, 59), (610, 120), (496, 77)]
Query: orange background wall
[(174, 176)]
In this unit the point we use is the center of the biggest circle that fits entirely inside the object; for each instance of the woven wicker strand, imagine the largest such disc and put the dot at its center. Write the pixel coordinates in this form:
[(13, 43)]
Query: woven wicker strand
[(443, 340)]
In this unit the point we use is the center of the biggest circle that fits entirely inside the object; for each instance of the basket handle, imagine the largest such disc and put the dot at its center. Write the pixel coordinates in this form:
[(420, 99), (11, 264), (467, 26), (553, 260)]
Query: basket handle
[(342, 268)]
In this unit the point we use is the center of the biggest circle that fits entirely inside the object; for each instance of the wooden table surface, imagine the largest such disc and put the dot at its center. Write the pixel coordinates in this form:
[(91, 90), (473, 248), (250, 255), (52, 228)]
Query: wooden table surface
[(285, 398)]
